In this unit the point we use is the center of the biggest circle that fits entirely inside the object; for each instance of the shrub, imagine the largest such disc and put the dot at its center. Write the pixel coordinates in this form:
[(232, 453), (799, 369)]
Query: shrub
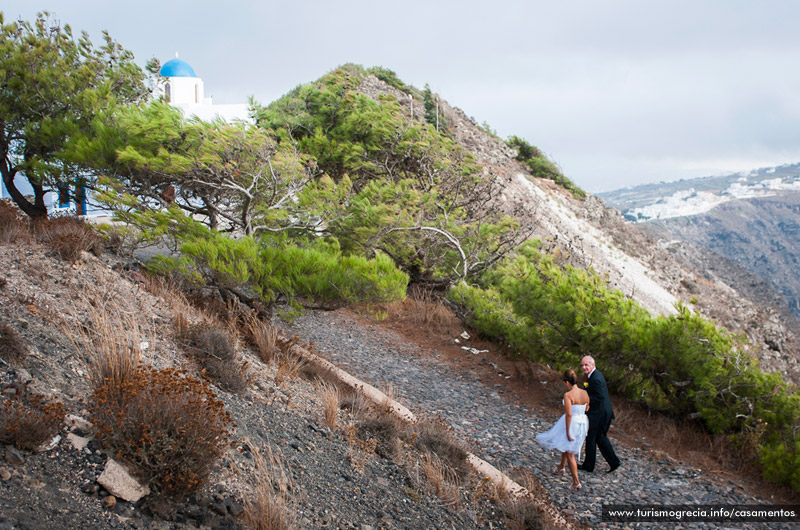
[(681, 364), (435, 436), (67, 237), (384, 429), (12, 346), (541, 167), (27, 420), (12, 227), (389, 77), (215, 351), (168, 427)]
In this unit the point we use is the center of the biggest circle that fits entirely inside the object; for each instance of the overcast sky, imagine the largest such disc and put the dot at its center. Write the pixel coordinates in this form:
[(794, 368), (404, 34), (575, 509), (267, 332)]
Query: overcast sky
[(617, 93)]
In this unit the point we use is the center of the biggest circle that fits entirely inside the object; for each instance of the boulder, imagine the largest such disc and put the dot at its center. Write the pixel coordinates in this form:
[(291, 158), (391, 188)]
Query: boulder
[(116, 479)]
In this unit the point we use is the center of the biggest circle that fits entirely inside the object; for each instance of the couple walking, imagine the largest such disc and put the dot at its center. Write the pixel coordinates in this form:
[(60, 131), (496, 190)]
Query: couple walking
[(587, 415)]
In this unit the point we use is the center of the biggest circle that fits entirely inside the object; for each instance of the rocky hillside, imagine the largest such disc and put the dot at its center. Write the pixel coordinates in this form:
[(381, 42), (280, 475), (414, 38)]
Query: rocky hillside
[(59, 316), (651, 271), (760, 235)]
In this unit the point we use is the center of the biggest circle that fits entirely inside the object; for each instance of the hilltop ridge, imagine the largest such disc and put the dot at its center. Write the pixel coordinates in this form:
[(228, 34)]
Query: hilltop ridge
[(591, 234)]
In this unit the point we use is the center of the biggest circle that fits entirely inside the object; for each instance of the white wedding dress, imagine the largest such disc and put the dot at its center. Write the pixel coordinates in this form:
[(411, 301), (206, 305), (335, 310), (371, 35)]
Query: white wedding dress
[(556, 437)]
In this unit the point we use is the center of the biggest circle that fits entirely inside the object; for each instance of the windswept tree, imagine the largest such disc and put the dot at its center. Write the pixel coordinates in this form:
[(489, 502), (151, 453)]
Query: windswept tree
[(235, 176), (52, 85), (407, 190)]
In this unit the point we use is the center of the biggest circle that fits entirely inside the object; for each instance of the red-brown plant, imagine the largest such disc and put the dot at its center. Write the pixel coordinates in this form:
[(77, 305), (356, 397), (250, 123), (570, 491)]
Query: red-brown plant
[(28, 420), (169, 427), (67, 237)]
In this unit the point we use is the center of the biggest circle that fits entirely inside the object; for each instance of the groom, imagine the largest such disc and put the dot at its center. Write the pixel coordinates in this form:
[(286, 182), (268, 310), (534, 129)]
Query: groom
[(600, 415)]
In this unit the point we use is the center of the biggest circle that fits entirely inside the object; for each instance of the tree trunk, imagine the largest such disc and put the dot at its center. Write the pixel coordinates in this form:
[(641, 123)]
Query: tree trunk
[(37, 210)]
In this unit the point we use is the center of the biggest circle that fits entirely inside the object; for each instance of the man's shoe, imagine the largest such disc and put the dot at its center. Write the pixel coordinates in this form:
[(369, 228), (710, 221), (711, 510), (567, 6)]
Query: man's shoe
[(613, 468), (584, 468)]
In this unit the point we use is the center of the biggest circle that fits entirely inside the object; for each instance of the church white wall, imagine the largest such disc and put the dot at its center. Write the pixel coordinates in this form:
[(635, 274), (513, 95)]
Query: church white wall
[(187, 90)]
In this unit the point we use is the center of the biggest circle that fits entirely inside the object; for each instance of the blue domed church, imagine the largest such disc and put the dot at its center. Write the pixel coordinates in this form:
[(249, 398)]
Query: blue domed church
[(184, 89)]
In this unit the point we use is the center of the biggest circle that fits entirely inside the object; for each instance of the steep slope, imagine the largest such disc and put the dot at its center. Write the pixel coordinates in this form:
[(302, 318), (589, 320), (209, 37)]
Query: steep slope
[(589, 234), (47, 302), (761, 235)]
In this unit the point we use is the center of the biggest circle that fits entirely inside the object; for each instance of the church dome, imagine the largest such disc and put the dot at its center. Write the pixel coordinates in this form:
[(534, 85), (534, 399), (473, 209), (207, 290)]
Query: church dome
[(177, 68)]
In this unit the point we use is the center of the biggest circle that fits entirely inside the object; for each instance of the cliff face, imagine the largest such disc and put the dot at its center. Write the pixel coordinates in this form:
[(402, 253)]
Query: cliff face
[(589, 234), (761, 235)]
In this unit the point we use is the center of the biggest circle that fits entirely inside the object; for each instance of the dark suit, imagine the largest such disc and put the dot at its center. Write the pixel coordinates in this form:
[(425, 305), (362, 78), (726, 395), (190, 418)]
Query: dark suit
[(600, 415)]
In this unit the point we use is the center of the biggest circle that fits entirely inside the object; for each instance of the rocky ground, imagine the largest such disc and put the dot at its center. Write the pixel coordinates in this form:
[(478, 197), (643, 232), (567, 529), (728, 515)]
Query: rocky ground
[(473, 392), (329, 483)]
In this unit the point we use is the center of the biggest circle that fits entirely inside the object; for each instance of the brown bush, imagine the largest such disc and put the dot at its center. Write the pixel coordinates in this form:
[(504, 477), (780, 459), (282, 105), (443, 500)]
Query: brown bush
[(170, 428), (28, 420), (526, 512), (67, 237), (12, 227), (385, 430), (215, 351), (12, 347), (435, 436)]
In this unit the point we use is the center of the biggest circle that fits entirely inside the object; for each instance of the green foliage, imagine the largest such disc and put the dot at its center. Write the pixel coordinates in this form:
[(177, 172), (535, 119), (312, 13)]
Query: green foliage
[(680, 364), (432, 113), (275, 268), (541, 167), (390, 78), (391, 184), (233, 175), (51, 87), (169, 427)]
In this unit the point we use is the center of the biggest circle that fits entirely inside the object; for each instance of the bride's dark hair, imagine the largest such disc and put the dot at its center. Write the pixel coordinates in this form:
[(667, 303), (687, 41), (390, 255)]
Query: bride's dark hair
[(570, 377)]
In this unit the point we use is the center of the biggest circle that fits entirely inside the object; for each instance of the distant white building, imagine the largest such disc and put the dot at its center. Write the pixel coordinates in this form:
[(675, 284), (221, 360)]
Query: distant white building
[(184, 89)]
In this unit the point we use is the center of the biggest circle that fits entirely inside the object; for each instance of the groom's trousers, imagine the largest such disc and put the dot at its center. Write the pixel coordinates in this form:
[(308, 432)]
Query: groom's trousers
[(597, 437)]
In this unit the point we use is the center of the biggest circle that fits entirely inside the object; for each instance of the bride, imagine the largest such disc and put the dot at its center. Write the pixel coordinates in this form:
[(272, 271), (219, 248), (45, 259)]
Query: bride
[(569, 432)]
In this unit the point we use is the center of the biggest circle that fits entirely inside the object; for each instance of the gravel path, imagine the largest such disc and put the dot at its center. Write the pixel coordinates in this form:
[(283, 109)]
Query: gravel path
[(504, 432)]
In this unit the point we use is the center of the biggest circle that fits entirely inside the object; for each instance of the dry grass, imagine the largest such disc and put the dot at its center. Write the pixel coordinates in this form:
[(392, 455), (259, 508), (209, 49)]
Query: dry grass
[(435, 436), (263, 336), (290, 363), (289, 366), (329, 397), (440, 479), (269, 507), (214, 349), (522, 512), (110, 342), (12, 228), (354, 401), (359, 450), (385, 429), (67, 237), (424, 309)]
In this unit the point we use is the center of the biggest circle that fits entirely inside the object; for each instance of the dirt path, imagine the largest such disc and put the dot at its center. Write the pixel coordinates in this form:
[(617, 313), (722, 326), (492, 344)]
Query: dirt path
[(474, 393)]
